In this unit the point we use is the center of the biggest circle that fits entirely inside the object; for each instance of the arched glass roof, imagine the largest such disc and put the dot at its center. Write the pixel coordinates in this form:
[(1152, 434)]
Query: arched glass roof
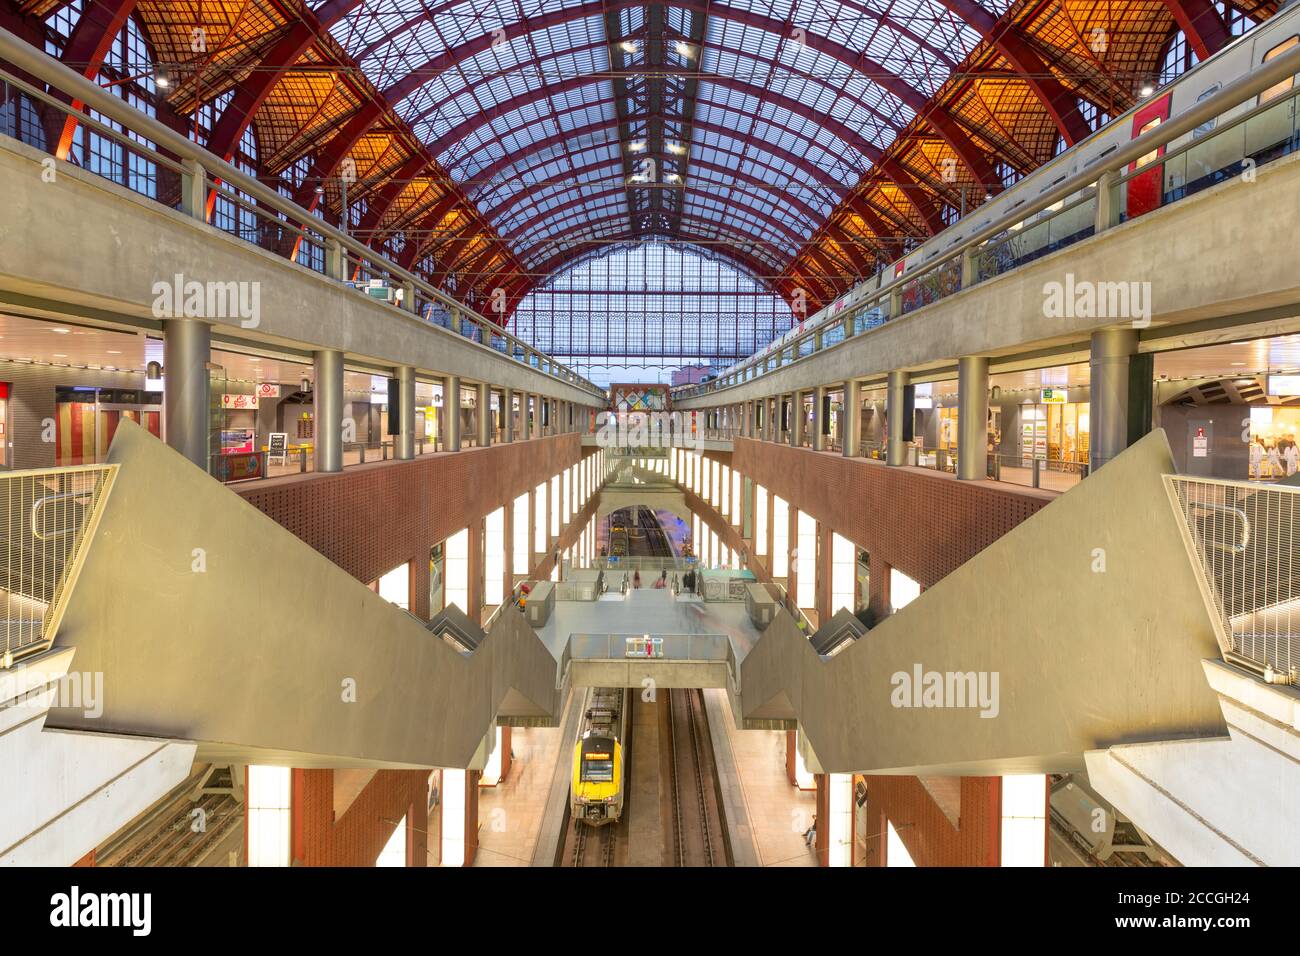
[(494, 142)]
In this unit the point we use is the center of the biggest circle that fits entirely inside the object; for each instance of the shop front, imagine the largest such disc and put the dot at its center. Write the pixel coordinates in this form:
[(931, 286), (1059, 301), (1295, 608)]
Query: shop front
[(86, 418), (1048, 425)]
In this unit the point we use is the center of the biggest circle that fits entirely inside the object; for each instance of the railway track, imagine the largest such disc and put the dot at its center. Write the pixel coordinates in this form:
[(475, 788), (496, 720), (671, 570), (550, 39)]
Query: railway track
[(583, 835), (693, 810), (577, 848)]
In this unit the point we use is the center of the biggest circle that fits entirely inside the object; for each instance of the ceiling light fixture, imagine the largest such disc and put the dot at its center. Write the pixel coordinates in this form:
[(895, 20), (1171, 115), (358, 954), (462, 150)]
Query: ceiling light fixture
[(636, 145), (1147, 89), (685, 49), (630, 46)]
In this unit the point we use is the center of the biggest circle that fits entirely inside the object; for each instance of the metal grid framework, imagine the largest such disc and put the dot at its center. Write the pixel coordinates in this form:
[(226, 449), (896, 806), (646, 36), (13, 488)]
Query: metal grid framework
[(491, 143), (664, 304)]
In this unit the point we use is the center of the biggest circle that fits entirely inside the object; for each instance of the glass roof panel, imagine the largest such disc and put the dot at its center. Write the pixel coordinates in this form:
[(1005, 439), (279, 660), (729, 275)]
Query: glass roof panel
[(798, 119)]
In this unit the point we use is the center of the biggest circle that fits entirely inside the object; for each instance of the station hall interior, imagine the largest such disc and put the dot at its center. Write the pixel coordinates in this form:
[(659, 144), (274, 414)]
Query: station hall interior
[(853, 433)]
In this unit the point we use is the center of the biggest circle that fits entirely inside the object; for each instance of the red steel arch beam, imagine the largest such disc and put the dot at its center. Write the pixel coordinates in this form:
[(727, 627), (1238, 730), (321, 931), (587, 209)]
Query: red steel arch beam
[(887, 165), (758, 185), (586, 132), (944, 124), (302, 32), (379, 203), (1059, 102), (430, 221), (792, 237), (550, 266), (85, 51), (573, 222), (814, 172), (942, 121), (748, 261), (1202, 25)]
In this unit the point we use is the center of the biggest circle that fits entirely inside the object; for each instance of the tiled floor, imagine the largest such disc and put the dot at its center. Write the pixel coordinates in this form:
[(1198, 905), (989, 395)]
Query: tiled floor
[(778, 813), (510, 814)]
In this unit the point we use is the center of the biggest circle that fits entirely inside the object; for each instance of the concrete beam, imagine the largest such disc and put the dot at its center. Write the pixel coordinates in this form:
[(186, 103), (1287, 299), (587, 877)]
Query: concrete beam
[(124, 243), (1208, 257), (175, 546), (1102, 646)]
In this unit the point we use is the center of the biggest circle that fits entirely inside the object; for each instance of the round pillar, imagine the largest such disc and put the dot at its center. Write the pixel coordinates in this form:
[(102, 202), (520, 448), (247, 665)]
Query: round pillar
[(972, 417), (187, 349)]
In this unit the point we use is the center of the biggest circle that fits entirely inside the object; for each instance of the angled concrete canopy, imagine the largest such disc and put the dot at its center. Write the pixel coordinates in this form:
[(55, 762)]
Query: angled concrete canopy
[(214, 624), (1088, 613)]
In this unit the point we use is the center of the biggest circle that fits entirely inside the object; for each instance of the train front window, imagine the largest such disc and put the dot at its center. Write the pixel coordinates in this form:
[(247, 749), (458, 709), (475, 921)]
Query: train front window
[(598, 766)]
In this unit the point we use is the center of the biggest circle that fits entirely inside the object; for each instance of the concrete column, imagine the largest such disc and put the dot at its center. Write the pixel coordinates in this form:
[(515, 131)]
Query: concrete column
[(187, 349), (328, 405), (824, 570), (405, 443), (524, 432), (878, 591), (851, 419), (451, 413), (1108, 415), (972, 417), (819, 415), (895, 400), (484, 422), (508, 413), (797, 423)]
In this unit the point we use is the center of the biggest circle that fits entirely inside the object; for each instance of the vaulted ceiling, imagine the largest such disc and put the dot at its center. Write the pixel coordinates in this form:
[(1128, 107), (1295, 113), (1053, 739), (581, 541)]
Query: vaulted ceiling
[(495, 142)]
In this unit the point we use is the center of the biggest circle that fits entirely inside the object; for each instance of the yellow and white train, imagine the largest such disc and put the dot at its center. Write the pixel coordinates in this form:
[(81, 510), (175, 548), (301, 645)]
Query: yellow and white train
[(597, 791)]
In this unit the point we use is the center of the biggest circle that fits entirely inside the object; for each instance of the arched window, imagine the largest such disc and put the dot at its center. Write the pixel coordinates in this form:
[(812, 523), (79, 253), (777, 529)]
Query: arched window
[(1179, 56), (638, 313), (127, 71)]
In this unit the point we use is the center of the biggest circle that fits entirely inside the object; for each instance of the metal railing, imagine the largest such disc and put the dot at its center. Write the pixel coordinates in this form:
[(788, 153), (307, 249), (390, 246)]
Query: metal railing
[(47, 517), (164, 165), (1078, 206), (1243, 540), (253, 465), (641, 563)]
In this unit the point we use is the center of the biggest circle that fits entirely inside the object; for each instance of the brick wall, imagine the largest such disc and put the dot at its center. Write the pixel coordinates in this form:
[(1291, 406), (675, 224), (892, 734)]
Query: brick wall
[(358, 838), (925, 830), (923, 522), (371, 518)]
